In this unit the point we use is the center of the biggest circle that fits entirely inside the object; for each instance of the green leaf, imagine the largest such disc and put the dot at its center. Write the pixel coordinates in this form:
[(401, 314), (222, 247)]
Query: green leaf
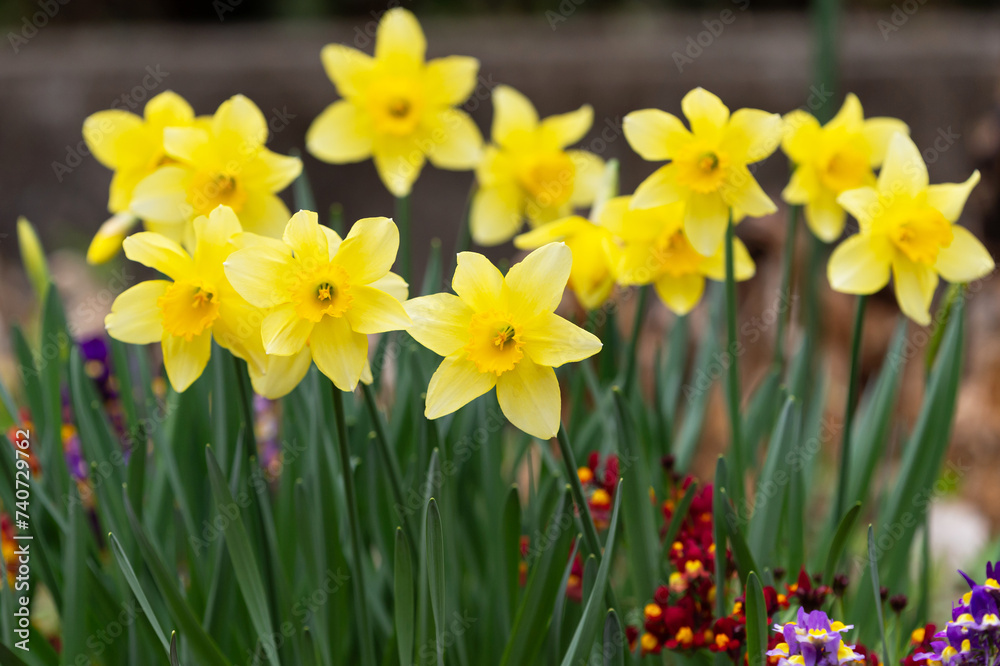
[(136, 587), (877, 588), (8, 658), (680, 513), (719, 535), (761, 411), (174, 659), (75, 595), (614, 640), (594, 608), (756, 621), (741, 552), (403, 598), (435, 575), (772, 485), (644, 544), (200, 643), (698, 387), (511, 544), (535, 612), (839, 542), (241, 554)]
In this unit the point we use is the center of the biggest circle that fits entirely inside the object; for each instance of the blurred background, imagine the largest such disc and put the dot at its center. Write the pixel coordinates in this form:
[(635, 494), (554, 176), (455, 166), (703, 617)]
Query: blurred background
[(933, 63)]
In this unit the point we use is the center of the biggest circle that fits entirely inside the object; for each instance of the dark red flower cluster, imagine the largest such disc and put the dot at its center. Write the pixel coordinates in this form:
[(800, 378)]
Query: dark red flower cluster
[(682, 614), (599, 480), (807, 594)]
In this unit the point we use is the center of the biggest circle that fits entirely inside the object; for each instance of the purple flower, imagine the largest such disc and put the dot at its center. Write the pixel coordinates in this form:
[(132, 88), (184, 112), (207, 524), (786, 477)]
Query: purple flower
[(813, 640)]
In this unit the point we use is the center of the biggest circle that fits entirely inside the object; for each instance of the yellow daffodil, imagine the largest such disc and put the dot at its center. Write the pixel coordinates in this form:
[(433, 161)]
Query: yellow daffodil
[(194, 305), (132, 147), (592, 276), (907, 227), (322, 293), (708, 165), (528, 172), (502, 332), (222, 162), (834, 158), (396, 107), (656, 251), (33, 256)]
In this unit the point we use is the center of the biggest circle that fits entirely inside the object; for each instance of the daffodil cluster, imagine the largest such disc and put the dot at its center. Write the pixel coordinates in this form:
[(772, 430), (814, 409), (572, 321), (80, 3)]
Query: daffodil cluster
[(171, 168)]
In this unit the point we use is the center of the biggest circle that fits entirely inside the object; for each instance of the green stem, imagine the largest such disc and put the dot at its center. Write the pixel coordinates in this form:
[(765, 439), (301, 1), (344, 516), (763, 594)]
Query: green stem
[(358, 577), (246, 407), (633, 343), (388, 457), (852, 396), (569, 460), (734, 370), (403, 223), (785, 295)]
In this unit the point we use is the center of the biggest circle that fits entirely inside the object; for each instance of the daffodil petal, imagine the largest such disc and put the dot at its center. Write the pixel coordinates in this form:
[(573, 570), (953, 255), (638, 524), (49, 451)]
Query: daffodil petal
[(339, 351), (705, 219), (135, 315), (680, 293), (160, 253), (394, 285), (752, 135), (374, 311), (340, 134), (450, 81), (477, 281), (825, 217), (850, 116), (802, 186), (107, 136), (914, 284), (536, 283), (714, 267), (705, 112), (529, 398), (162, 195), (454, 141), (588, 178), (877, 133), (284, 332), (565, 129), (903, 171), (950, 198), (185, 361), (108, 239), (242, 117), (744, 192), (659, 189), (304, 235), (258, 273), (513, 114), (265, 214), (552, 232), (168, 109), (185, 143), (398, 162), (860, 265), (270, 171), (455, 383), (799, 135), (654, 134), (347, 67), (965, 260), (399, 35), (496, 214), (863, 204), (553, 341), (369, 249), (440, 322), (282, 374)]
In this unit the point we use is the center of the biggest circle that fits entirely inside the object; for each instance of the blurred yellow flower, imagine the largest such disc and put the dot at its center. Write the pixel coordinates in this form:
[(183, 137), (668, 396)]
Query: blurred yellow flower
[(322, 293), (708, 164), (907, 227), (397, 107), (831, 159), (527, 171), (502, 332), (132, 147), (221, 162), (194, 305), (656, 251)]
